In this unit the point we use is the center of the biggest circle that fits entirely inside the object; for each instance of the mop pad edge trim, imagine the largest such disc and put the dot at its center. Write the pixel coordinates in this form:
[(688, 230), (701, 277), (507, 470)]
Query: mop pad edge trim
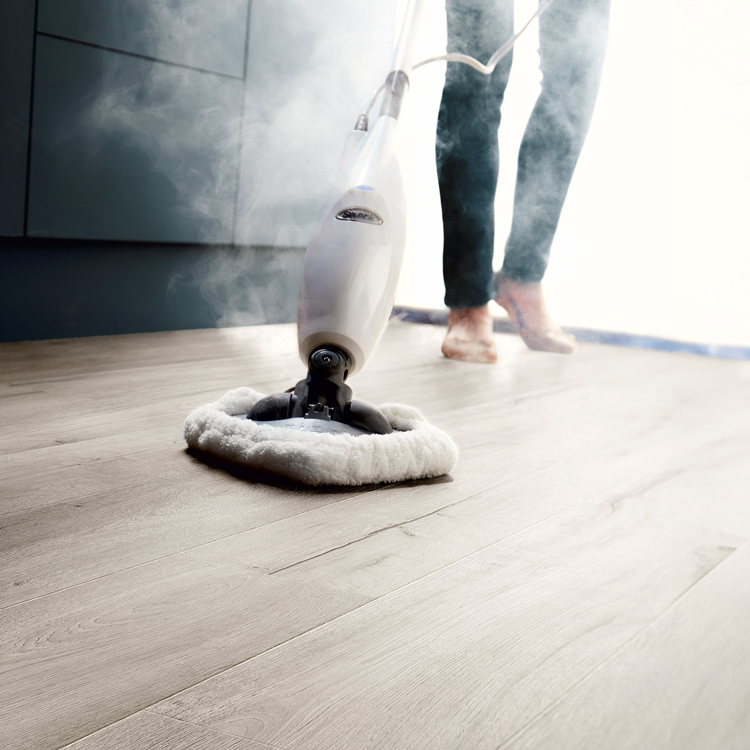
[(415, 449)]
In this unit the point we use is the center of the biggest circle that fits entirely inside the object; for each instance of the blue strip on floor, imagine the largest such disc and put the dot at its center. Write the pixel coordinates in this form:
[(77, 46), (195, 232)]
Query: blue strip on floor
[(592, 336)]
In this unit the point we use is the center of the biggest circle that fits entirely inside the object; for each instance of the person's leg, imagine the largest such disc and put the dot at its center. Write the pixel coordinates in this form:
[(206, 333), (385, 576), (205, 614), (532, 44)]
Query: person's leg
[(572, 44), (467, 161)]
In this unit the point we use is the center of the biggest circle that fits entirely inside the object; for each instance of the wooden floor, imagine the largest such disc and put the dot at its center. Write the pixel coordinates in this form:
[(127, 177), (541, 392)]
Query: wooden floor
[(581, 580)]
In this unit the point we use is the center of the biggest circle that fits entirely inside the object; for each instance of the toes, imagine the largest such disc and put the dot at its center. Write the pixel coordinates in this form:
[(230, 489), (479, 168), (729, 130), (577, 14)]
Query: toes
[(557, 342)]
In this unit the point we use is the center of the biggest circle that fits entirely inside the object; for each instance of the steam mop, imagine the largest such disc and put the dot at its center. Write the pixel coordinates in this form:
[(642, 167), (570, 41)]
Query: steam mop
[(315, 432)]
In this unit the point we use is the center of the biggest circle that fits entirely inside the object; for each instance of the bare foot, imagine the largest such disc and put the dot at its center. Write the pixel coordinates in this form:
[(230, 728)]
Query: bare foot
[(525, 305), (470, 337)]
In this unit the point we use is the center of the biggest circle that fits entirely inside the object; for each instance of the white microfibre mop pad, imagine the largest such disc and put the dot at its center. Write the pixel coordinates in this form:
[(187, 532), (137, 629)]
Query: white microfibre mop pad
[(414, 450)]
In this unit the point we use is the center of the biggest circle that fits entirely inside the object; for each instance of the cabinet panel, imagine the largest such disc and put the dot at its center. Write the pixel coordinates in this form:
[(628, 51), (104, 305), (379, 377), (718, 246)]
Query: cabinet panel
[(129, 149), (16, 45), (198, 33)]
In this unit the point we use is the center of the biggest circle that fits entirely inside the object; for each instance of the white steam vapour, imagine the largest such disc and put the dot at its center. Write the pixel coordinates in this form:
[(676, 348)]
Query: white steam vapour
[(311, 69), (244, 286), (249, 154), (157, 117)]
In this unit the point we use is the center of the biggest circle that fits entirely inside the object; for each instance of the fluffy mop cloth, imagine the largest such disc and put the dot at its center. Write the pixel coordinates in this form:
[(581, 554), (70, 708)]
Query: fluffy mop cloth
[(414, 450)]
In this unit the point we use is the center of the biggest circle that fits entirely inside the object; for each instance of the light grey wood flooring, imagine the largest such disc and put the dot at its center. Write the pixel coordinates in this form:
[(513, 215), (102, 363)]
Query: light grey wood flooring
[(580, 580)]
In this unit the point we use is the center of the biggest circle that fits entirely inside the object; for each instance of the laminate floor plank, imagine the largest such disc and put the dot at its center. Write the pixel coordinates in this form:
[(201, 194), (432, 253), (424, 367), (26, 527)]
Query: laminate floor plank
[(27, 476), (470, 655), (190, 506), (145, 489), (92, 354), (594, 496), (683, 684), (536, 473), (145, 730), (67, 455), (75, 662), (54, 548), (408, 367), (36, 486), (70, 418), (383, 561), (23, 474), (73, 402), (80, 404)]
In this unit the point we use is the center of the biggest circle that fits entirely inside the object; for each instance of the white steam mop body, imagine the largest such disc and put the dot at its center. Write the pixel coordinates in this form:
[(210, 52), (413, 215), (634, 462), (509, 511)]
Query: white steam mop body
[(353, 261), (317, 434)]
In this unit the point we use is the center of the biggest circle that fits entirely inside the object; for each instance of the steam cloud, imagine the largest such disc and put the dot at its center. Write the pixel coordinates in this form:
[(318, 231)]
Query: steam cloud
[(261, 152)]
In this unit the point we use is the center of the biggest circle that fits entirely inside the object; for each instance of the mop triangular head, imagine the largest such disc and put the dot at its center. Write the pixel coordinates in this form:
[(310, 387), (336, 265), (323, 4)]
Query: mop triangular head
[(414, 450)]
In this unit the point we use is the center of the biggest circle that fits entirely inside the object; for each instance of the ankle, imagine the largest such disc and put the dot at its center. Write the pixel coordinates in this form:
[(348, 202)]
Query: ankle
[(469, 314)]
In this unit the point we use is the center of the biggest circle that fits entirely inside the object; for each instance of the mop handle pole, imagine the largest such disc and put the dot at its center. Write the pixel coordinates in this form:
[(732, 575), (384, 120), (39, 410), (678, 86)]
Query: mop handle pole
[(403, 56), (397, 82)]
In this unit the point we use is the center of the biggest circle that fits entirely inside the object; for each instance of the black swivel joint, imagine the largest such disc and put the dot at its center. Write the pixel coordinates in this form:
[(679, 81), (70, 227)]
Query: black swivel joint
[(323, 393)]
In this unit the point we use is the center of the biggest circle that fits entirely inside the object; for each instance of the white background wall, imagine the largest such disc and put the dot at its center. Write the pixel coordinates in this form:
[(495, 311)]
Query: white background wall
[(655, 235)]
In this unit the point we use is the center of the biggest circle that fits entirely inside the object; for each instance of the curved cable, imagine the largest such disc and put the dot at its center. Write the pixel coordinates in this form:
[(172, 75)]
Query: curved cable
[(378, 91), (467, 59)]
